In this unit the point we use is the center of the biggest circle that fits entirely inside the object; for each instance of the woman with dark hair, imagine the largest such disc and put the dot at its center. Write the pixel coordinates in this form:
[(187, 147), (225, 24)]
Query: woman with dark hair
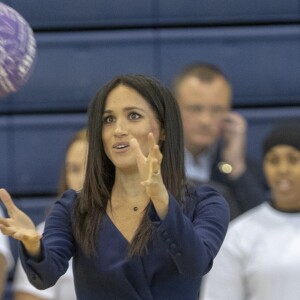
[(260, 257), (135, 230)]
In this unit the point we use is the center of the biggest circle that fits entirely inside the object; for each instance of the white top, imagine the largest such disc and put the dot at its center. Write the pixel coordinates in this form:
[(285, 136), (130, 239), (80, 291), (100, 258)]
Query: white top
[(62, 290), (259, 259), (4, 247)]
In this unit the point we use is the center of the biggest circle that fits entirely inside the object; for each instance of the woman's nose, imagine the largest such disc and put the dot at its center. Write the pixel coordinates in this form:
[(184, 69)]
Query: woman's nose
[(120, 129), (283, 167)]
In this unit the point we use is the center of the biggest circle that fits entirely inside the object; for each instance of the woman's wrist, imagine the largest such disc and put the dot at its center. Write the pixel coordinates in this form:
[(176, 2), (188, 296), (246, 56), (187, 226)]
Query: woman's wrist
[(33, 249), (161, 203)]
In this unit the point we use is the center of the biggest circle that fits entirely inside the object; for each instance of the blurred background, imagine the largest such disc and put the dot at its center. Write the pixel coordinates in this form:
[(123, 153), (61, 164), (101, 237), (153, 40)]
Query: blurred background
[(81, 44)]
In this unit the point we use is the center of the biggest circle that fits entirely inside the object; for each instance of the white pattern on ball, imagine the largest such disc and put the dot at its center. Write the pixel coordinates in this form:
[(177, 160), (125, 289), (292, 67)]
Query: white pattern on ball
[(17, 50)]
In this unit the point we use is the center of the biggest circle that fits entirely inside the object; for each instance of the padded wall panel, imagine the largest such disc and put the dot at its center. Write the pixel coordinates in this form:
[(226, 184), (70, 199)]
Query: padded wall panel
[(44, 14), (83, 13), (36, 207), (70, 67), (38, 145), (215, 11), (261, 121), (262, 62), (4, 152)]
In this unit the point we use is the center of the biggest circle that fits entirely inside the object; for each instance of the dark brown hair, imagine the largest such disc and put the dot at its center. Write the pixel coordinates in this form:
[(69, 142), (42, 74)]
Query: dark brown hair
[(91, 203)]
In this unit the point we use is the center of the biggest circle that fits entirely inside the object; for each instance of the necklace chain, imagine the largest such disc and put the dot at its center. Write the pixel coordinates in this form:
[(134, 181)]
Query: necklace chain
[(139, 205)]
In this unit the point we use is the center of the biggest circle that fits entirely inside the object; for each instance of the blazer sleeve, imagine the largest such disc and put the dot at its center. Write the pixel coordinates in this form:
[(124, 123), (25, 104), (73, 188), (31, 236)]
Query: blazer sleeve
[(193, 242), (57, 246)]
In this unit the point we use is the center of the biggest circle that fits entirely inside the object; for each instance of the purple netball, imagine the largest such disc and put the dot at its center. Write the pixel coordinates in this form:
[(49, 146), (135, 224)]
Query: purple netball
[(17, 50)]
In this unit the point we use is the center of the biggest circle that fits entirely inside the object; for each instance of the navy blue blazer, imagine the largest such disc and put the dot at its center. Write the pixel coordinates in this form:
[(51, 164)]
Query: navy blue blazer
[(180, 253)]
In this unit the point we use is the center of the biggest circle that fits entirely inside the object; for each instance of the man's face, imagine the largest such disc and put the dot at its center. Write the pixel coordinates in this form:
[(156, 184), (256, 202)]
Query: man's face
[(203, 107)]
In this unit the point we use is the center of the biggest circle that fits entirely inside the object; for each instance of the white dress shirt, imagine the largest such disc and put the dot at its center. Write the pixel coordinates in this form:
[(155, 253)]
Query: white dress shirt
[(198, 168)]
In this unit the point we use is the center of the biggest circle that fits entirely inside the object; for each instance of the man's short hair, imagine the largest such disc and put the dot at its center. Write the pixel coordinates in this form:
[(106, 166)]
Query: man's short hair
[(203, 71)]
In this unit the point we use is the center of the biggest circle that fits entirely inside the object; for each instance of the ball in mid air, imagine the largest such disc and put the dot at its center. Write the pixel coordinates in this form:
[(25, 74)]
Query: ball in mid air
[(17, 50)]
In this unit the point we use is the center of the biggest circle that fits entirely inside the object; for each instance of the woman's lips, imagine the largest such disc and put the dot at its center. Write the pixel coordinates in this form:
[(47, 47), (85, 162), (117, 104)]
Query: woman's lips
[(121, 147), (284, 185)]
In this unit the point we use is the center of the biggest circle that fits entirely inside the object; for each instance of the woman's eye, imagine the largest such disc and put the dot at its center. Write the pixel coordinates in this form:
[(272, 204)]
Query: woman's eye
[(134, 116), (273, 160), (108, 119), (293, 159)]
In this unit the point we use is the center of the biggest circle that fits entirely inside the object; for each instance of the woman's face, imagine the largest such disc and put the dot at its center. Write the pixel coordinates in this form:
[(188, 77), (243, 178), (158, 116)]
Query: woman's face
[(282, 170), (76, 164), (127, 115)]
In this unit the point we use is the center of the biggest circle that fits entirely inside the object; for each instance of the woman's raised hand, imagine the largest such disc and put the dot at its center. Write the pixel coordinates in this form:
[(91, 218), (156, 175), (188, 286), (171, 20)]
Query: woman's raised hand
[(149, 169), (19, 225)]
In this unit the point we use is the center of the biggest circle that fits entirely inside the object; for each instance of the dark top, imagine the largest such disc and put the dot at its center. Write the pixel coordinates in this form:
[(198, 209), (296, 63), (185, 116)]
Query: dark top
[(181, 252)]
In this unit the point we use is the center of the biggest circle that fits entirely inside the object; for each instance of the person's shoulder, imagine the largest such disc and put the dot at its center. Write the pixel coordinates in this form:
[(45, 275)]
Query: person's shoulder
[(204, 195), (253, 218), (248, 230), (67, 199), (68, 196), (62, 208), (207, 192)]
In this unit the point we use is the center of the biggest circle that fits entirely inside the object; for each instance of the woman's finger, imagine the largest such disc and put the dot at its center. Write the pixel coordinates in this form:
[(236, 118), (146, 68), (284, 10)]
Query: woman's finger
[(138, 152), (4, 222), (157, 159), (151, 143), (7, 201), (7, 230), (157, 153)]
